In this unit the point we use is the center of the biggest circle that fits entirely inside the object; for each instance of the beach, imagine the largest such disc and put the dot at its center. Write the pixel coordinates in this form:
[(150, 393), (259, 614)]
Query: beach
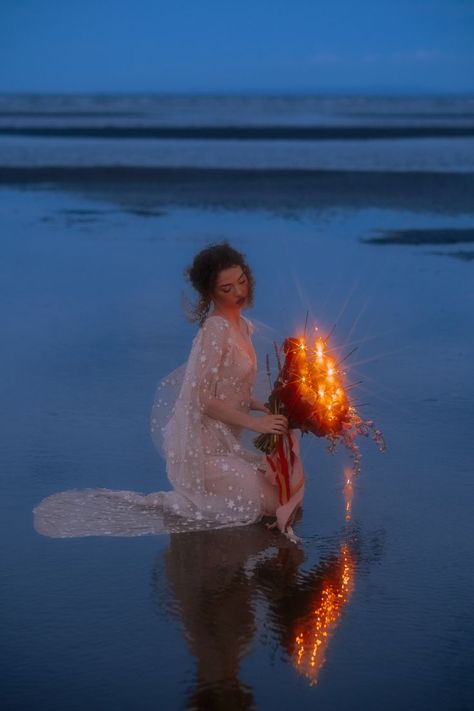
[(373, 238)]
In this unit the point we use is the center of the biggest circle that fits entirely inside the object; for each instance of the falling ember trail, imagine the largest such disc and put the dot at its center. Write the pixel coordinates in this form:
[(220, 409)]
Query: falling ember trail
[(348, 492)]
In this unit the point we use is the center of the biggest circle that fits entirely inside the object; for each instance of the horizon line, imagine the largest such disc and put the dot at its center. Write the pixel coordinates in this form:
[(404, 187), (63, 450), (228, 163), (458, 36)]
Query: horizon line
[(287, 93)]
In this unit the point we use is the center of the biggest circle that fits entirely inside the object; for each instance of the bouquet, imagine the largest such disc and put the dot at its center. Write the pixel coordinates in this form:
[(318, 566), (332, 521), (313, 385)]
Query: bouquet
[(310, 392)]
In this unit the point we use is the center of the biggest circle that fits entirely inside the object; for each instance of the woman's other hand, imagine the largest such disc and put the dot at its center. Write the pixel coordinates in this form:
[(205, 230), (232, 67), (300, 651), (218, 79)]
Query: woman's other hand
[(271, 424)]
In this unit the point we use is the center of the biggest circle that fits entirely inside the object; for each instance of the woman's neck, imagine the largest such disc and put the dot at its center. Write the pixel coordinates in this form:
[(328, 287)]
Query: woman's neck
[(231, 315)]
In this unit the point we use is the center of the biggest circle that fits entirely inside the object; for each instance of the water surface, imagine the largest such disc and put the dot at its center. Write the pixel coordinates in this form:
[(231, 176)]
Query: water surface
[(374, 607)]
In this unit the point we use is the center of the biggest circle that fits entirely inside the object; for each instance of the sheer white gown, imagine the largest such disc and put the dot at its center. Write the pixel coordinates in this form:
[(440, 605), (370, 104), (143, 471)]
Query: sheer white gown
[(216, 481)]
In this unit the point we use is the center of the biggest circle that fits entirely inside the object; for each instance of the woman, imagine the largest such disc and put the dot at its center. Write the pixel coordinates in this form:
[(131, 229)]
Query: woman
[(215, 479), (217, 482)]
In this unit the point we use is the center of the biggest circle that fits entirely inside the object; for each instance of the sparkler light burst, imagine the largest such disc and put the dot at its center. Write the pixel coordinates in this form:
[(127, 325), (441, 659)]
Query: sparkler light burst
[(311, 392)]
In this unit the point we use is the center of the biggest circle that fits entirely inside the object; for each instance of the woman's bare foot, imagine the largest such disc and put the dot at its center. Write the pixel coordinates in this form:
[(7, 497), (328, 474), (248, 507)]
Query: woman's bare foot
[(291, 535)]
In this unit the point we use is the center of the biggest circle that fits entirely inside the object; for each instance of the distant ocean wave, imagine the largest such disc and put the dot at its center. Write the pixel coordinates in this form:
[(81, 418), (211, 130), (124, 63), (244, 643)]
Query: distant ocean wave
[(241, 133), (261, 133), (73, 114), (192, 110), (35, 114), (448, 155)]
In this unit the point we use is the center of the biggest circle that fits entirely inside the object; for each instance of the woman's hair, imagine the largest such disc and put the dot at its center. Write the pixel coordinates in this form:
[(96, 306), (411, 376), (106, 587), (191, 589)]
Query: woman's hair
[(203, 273)]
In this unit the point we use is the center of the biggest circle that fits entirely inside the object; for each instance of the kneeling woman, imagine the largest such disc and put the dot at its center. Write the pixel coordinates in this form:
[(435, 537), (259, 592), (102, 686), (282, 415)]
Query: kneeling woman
[(216, 481)]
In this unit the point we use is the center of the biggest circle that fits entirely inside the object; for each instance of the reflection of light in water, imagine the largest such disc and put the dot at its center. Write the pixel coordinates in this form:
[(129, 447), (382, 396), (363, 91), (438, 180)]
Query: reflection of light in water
[(348, 491), (311, 641)]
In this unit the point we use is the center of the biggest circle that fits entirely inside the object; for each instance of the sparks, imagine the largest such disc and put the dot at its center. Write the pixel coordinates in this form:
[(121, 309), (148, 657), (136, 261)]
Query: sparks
[(310, 390)]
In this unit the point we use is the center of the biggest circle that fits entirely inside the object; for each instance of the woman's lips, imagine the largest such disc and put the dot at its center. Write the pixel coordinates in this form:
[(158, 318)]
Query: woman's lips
[(240, 301)]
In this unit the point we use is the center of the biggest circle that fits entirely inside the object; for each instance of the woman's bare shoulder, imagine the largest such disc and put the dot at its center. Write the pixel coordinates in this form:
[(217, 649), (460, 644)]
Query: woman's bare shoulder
[(215, 321), (249, 325)]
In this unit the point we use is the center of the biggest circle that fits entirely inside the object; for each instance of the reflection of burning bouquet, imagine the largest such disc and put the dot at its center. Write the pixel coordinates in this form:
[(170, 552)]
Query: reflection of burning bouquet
[(309, 390)]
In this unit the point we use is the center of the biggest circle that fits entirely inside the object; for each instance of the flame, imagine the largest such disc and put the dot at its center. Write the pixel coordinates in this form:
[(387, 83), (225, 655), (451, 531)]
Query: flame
[(311, 641), (320, 382)]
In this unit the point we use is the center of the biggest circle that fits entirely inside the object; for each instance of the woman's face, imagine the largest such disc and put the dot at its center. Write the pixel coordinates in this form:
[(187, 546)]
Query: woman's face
[(232, 289)]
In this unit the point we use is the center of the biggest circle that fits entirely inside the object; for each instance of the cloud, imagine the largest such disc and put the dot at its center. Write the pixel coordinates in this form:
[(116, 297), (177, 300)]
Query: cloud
[(326, 58), (414, 56), (421, 56)]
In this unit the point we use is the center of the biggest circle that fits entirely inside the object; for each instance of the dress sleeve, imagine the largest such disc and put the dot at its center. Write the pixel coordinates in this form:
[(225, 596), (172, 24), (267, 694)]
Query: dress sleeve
[(211, 350), (249, 325)]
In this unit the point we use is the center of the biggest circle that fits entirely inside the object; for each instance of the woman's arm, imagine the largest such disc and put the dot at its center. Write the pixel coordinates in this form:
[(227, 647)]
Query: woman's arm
[(259, 405), (267, 424), (211, 345)]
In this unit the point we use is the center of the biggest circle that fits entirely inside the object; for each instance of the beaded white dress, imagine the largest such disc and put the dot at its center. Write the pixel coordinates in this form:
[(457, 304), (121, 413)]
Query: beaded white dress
[(216, 481)]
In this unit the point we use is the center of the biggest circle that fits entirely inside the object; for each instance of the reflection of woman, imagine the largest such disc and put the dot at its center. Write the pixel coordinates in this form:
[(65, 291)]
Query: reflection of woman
[(213, 582), (217, 482), (211, 587)]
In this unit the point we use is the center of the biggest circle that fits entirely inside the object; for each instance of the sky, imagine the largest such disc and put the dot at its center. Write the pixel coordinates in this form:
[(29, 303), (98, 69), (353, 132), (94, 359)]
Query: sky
[(244, 46)]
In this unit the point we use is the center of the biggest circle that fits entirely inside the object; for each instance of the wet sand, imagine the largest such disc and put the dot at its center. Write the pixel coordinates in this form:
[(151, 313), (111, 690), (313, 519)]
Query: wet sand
[(242, 132), (424, 237), (274, 190)]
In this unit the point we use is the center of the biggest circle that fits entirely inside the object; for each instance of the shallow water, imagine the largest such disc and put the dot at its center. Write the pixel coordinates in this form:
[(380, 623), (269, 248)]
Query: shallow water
[(91, 320)]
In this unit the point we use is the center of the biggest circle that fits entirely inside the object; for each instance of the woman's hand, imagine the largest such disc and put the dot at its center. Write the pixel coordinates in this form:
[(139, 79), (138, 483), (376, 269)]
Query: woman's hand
[(271, 424), (268, 424)]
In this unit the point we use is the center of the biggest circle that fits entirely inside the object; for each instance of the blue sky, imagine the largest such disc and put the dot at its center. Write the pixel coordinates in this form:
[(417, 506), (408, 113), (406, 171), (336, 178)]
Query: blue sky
[(210, 46)]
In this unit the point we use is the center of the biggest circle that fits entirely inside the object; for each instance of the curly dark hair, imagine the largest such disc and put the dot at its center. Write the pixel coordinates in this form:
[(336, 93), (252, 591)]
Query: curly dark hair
[(203, 274)]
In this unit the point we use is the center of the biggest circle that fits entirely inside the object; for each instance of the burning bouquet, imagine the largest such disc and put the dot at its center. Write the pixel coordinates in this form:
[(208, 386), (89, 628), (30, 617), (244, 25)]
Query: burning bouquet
[(310, 392)]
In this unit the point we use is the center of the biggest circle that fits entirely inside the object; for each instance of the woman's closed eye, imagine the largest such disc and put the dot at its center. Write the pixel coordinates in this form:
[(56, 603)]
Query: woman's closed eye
[(227, 289)]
